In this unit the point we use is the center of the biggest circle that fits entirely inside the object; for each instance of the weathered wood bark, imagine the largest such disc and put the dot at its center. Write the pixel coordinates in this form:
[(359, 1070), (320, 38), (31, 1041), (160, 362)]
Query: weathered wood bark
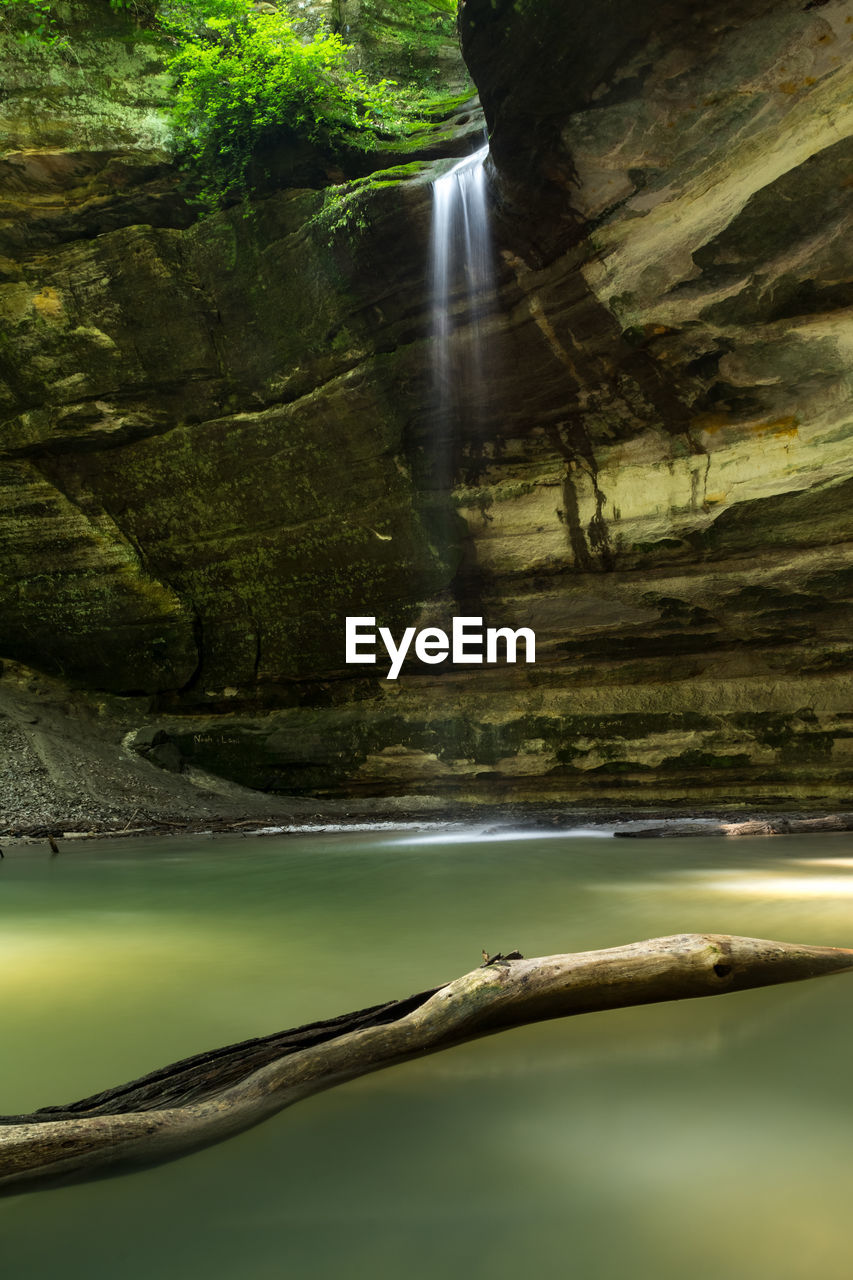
[(203, 1099), (768, 827)]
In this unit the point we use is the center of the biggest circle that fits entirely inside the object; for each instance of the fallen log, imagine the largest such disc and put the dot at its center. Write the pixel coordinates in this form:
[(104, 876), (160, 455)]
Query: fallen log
[(211, 1096), (754, 827)]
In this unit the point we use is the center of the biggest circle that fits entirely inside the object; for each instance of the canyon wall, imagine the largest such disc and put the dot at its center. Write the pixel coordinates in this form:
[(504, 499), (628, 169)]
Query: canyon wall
[(220, 435)]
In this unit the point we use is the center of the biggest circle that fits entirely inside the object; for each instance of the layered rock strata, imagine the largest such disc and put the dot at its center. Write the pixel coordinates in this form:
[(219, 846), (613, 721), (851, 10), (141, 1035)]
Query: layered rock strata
[(220, 437)]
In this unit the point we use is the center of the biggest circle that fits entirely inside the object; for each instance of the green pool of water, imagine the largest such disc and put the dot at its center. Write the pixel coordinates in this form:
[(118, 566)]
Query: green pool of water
[(707, 1138)]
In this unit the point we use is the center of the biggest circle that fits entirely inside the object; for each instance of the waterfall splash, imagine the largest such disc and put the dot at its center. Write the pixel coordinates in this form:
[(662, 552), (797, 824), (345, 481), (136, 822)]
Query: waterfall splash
[(462, 278)]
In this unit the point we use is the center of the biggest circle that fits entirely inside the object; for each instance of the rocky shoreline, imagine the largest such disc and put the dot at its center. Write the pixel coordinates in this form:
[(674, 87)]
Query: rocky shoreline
[(509, 821), (68, 771)]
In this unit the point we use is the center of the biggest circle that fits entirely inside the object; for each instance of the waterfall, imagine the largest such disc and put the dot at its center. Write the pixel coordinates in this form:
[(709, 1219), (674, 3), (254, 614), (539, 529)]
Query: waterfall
[(462, 279)]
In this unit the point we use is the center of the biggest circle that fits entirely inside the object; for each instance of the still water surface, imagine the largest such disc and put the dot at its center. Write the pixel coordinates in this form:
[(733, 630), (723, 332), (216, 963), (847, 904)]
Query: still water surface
[(712, 1138)]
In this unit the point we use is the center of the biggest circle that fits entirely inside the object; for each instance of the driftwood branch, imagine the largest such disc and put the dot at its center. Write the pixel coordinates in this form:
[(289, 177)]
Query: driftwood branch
[(755, 827), (204, 1099)]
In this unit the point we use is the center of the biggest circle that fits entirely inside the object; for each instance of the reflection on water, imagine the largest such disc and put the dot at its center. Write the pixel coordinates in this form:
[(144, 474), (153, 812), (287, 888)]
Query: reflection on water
[(505, 836), (706, 1137), (772, 884)]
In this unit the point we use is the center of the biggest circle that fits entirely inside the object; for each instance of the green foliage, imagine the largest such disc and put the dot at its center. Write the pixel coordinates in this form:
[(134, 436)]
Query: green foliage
[(39, 21), (411, 32), (245, 78), (416, 7)]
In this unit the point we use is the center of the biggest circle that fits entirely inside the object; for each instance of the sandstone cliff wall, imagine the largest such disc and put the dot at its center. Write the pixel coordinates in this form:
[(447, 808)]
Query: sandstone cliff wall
[(219, 436)]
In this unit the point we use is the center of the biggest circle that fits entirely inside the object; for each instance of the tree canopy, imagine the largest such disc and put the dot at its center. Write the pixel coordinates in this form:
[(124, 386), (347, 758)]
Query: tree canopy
[(247, 75), (243, 76)]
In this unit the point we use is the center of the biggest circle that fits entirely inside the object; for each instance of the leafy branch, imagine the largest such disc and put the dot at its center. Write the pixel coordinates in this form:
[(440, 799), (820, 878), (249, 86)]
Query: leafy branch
[(244, 78)]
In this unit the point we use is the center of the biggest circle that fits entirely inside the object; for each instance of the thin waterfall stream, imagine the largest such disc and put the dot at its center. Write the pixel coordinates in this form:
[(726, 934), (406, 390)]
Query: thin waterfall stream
[(462, 280)]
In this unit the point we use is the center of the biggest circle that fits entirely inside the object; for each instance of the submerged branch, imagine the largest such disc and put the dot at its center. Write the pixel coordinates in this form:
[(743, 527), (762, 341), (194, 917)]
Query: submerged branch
[(203, 1099)]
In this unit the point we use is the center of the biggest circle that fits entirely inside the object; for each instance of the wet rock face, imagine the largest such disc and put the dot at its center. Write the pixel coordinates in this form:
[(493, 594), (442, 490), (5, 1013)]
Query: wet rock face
[(662, 492), (205, 412), (220, 436), (202, 431)]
